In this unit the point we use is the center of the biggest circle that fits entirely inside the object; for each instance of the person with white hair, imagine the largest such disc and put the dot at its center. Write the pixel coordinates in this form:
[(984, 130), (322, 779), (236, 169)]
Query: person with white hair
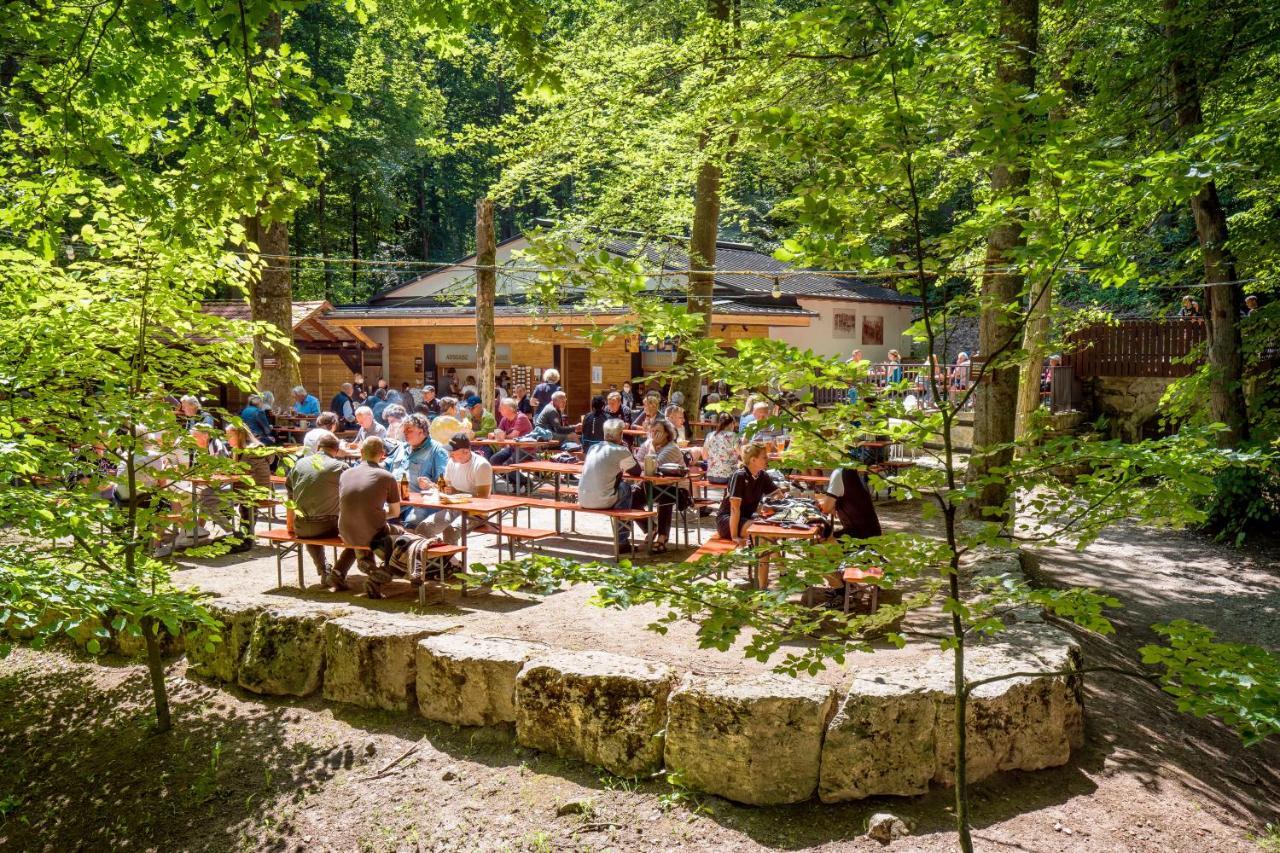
[(549, 385), (304, 405), (600, 486), (550, 424), (368, 426), (254, 415), (191, 414), (759, 412)]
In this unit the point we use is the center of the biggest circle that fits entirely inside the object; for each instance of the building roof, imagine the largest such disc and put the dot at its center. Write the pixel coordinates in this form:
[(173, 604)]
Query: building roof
[(416, 309), (790, 281), (309, 324)]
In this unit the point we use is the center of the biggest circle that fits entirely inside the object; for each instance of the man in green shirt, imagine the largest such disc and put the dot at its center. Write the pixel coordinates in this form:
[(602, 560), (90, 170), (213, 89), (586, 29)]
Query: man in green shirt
[(313, 488), (482, 420)]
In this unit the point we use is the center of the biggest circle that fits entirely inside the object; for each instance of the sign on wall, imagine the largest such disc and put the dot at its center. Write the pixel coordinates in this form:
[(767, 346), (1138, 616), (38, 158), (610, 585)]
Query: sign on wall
[(873, 331), (464, 354), (844, 325), (597, 374)]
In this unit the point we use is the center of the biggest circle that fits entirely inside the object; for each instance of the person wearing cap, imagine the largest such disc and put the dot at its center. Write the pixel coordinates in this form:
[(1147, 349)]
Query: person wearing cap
[(467, 473), (482, 421), (429, 400), (448, 423)]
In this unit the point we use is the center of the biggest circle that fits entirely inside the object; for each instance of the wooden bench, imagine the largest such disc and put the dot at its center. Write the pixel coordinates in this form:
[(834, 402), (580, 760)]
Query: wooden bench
[(285, 543), (714, 545), (617, 517), (856, 581), (529, 535)]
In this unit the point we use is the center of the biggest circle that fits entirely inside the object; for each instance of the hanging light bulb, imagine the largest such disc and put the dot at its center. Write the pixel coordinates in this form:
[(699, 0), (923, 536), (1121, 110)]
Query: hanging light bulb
[(777, 288)]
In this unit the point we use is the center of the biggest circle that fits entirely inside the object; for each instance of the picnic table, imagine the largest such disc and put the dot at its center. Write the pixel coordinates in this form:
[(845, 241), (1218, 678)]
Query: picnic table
[(776, 535), (484, 508), (670, 485), (541, 472)]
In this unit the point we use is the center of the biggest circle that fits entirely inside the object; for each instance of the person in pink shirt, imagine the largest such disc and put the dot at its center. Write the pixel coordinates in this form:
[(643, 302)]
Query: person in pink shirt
[(512, 423)]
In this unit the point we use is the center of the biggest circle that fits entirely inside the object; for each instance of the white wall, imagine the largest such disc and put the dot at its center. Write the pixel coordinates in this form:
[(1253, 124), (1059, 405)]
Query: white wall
[(820, 336)]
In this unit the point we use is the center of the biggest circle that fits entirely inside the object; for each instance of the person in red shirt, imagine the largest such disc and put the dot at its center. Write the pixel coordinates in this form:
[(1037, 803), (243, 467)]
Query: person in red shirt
[(512, 423)]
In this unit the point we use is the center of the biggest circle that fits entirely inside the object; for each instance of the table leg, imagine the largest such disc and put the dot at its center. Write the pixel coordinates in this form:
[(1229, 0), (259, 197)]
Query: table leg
[(302, 582)]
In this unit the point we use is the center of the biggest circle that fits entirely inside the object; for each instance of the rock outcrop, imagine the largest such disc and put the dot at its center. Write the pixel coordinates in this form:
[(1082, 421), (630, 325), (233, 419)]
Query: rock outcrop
[(285, 655), (369, 658), (221, 661)]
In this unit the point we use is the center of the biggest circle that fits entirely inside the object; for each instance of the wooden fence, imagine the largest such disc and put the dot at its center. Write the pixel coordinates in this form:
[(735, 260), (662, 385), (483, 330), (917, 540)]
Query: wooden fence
[(1134, 348)]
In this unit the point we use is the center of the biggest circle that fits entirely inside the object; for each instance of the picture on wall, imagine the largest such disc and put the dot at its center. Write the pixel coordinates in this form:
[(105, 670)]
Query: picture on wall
[(844, 325), (873, 331)]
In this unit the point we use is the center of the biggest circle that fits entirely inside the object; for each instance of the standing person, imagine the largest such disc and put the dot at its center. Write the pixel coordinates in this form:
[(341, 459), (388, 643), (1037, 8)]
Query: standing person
[(378, 403), (468, 473), (549, 385), (721, 448), (344, 407), (255, 418), (600, 486), (368, 426), (1250, 304), (1190, 309), (304, 405), (593, 422), (368, 499), (661, 445), (326, 424), (747, 487), (550, 424), (312, 485), (893, 370), (960, 372), (628, 399), (359, 393), (417, 456)]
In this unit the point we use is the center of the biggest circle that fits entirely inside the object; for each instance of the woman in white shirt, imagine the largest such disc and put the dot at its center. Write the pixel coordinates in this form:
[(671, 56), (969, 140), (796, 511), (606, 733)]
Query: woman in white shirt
[(723, 449)]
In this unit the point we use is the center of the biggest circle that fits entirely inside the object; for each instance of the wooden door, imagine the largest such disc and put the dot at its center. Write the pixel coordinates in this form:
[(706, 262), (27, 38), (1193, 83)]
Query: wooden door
[(575, 378)]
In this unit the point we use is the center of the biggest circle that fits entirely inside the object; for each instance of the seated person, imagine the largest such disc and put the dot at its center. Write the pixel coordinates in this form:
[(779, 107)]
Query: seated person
[(748, 486), (615, 408), (326, 424), (368, 426), (759, 412), (418, 457), (550, 424), (847, 496), (395, 415), (593, 422), (447, 424), (254, 415), (312, 485), (600, 486), (429, 400), (661, 445), (651, 411), (368, 499), (482, 420), (247, 450), (304, 405), (512, 423), (468, 473), (721, 448)]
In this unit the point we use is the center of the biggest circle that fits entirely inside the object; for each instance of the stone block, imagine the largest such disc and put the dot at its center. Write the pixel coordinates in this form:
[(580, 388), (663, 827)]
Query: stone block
[(369, 658), (755, 741), (608, 710), (470, 681), (222, 663), (881, 740), (285, 655)]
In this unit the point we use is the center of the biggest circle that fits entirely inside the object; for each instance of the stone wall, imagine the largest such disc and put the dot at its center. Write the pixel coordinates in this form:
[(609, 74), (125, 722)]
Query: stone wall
[(756, 740), (1129, 402)]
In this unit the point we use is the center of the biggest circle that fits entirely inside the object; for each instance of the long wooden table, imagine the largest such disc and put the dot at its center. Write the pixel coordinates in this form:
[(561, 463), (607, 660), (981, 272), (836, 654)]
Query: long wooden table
[(544, 472), (484, 508), (776, 534)]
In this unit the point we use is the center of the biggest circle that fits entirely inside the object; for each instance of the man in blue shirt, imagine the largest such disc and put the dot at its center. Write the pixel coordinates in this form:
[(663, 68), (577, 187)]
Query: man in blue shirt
[(417, 456), (304, 404), (255, 419)]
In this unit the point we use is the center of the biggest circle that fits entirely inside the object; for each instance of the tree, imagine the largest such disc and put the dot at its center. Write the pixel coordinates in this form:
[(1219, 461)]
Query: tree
[(486, 289)]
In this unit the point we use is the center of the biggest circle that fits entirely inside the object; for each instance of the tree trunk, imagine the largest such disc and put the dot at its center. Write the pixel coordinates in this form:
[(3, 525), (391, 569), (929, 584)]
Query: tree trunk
[(1033, 342), (155, 668), (996, 399), (486, 292), (271, 293), (702, 245), (1221, 299)]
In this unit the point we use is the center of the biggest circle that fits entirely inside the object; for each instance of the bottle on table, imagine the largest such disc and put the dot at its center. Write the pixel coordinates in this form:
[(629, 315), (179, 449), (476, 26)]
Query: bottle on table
[(404, 486)]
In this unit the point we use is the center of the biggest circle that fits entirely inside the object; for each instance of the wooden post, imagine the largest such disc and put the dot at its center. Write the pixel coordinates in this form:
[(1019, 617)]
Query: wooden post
[(486, 293)]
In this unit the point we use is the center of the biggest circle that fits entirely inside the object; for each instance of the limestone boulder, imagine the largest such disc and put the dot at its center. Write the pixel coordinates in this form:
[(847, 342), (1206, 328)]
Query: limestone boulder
[(285, 655), (369, 659), (882, 739), (1024, 723), (135, 646), (608, 710), (754, 741), (894, 731), (470, 681), (221, 661)]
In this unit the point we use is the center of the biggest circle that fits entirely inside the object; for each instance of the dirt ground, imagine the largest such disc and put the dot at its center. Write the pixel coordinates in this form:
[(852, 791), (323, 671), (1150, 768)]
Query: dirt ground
[(80, 768)]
